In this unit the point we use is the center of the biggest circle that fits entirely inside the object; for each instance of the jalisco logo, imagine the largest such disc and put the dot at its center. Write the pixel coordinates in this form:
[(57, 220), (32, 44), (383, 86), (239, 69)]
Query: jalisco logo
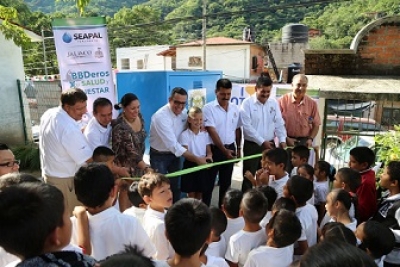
[(79, 53), (85, 53)]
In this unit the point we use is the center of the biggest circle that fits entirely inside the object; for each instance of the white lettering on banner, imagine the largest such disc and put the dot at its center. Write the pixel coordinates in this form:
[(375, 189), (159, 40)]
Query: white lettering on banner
[(84, 58)]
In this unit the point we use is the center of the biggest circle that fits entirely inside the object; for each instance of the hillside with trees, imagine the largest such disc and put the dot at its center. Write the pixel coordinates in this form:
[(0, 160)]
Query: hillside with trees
[(140, 22)]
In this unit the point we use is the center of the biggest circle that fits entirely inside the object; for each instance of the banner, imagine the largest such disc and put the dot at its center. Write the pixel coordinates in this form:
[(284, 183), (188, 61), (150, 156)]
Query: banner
[(84, 57)]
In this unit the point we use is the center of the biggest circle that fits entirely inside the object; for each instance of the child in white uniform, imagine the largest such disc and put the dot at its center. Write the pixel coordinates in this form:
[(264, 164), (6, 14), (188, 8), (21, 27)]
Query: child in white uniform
[(199, 144), (217, 244), (138, 205), (156, 192), (231, 207), (300, 190), (253, 208), (109, 230), (338, 203), (283, 230)]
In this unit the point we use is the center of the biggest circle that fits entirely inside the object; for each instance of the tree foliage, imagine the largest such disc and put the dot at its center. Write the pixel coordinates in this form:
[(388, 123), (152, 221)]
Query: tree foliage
[(10, 30), (141, 22)]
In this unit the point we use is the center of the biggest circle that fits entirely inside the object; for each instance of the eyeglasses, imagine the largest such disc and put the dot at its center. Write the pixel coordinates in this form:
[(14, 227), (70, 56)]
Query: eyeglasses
[(176, 102), (10, 164)]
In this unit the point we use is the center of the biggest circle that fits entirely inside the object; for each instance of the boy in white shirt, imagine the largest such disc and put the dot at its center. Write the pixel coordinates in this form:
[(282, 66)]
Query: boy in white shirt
[(187, 227), (275, 166), (109, 230), (300, 190), (299, 156), (283, 230), (230, 206), (217, 244), (156, 192), (253, 208), (138, 205)]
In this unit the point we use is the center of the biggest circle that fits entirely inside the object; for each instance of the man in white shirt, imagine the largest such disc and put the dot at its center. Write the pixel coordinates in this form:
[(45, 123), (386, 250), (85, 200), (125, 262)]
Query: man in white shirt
[(166, 126), (97, 132), (8, 164), (222, 122), (262, 122), (63, 147)]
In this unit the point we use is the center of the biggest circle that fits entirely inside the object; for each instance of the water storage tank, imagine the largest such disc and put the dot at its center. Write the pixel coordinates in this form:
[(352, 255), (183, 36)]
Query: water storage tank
[(295, 33)]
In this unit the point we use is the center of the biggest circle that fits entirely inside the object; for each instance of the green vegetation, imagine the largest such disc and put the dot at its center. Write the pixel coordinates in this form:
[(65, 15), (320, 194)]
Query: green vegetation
[(29, 156), (388, 145), (140, 22)]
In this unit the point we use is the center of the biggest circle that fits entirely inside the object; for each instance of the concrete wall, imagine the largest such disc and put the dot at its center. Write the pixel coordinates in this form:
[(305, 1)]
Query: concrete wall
[(233, 60), (286, 54), (134, 54), (11, 69)]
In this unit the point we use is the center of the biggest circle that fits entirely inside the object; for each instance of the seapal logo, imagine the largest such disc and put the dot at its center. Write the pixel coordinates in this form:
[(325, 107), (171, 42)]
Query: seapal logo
[(67, 38), (79, 53), (87, 36)]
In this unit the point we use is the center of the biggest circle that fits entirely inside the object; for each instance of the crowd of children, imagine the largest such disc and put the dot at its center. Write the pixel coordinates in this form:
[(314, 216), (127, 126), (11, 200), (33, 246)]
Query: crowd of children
[(314, 214)]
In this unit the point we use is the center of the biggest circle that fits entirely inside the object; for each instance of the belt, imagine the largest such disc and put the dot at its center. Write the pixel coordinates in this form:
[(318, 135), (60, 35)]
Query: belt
[(254, 143), (155, 151), (301, 137), (225, 145)]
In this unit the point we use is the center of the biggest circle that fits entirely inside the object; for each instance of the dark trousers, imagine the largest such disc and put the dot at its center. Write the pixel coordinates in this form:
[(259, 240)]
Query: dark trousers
[(224, 173), (252, 165), (168, 163), (387, 264)]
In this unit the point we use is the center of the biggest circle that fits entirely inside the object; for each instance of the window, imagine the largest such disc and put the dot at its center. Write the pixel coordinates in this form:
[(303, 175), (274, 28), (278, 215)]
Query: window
[(390, 116), (195, 62), (140, 64), (125, 64)]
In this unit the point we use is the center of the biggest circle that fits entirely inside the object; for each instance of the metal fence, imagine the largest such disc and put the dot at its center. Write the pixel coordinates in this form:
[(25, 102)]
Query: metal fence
[(353, 119)]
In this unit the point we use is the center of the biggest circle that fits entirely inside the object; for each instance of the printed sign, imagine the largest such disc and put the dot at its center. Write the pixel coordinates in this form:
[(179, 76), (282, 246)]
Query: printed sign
[(83, 57)]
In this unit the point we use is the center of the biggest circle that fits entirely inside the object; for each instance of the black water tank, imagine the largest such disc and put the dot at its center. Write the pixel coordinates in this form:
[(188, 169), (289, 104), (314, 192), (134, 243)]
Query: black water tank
[(293, 69), (295, 33)]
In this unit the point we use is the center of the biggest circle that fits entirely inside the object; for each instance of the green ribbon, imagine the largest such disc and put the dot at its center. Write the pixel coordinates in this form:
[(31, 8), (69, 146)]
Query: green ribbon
[(199, 168), (202, 167), (209, 165)]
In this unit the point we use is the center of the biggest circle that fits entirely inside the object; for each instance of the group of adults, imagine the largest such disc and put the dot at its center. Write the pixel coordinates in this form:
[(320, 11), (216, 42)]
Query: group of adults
[(64, 147)]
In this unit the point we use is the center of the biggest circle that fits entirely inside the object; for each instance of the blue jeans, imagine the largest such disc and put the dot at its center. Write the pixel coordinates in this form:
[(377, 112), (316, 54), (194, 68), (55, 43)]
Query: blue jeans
[(168, 163)]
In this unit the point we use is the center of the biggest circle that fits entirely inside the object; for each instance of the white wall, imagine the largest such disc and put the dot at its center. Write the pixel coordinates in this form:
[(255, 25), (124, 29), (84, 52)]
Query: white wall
[(233, 60), (134, 54), (11, 69)]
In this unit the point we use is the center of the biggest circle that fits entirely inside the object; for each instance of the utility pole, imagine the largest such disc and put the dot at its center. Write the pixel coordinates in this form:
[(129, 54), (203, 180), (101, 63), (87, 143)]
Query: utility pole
[(204, 34), (44, 54)]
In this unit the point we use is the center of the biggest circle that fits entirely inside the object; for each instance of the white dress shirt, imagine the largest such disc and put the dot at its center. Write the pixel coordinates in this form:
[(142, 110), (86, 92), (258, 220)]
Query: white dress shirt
[(165, 129), (63, 147), (224, 122), (262, 122), (96, 134)]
